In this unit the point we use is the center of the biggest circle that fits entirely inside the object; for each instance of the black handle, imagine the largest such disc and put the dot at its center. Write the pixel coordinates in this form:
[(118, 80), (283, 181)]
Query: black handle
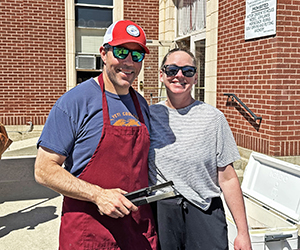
[(277, 237)]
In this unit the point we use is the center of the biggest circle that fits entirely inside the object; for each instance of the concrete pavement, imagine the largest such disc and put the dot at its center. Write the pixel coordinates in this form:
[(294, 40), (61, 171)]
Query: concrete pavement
[(29, 212)]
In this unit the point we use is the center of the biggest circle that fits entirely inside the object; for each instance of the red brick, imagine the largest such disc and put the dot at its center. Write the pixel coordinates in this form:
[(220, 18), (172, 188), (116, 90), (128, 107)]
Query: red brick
[(270, 66)]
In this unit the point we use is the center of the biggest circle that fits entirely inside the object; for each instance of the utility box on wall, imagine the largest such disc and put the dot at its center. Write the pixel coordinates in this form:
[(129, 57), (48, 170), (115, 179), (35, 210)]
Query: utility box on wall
[(85, 62), (271, 190)]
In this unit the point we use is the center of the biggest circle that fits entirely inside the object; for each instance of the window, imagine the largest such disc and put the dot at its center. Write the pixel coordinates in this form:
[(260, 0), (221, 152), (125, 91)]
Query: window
[(191, 16), (91, 21), (200, 55), (92, 18)]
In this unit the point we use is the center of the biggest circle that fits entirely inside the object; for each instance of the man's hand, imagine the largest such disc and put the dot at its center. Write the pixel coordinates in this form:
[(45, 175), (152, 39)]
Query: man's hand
[(113, 203)]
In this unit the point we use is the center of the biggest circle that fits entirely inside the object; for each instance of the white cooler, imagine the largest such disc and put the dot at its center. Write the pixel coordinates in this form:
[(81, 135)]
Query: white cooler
[(271, 190)]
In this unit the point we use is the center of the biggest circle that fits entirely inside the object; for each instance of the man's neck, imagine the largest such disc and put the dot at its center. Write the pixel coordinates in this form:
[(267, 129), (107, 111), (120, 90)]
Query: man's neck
[(111, 88)]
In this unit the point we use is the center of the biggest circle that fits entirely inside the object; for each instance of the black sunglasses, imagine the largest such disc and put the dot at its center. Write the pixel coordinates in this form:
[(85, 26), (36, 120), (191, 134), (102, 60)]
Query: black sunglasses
[(122, 53), (172, 70)]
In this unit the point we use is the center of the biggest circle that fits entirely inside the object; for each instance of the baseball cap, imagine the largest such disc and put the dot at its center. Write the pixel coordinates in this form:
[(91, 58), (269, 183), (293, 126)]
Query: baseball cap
[(125, 31)]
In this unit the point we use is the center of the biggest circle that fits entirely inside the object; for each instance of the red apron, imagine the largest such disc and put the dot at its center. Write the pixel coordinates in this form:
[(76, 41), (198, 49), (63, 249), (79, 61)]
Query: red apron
[(119, 161)]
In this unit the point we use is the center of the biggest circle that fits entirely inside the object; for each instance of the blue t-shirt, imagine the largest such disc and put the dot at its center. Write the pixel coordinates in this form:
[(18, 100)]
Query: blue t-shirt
[(74, 125)]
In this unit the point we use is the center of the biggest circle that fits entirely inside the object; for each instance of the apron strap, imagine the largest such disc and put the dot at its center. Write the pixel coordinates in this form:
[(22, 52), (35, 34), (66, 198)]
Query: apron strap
[(106, 119), (136, 105)]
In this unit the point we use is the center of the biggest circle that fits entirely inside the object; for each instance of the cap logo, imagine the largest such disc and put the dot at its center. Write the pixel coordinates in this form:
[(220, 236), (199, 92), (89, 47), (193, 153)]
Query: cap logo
[(132, 30)]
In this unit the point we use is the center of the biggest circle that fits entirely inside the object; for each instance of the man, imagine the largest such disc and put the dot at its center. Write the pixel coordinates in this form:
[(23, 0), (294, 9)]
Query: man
[(192, 145), (98, 130)]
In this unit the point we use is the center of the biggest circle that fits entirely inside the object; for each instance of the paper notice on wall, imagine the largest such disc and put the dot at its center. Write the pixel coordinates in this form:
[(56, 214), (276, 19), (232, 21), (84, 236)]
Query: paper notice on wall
[(260, 18)]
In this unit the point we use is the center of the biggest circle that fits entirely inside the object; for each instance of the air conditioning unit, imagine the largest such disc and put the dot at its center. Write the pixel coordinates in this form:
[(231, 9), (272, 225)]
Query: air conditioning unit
[(85, 62)]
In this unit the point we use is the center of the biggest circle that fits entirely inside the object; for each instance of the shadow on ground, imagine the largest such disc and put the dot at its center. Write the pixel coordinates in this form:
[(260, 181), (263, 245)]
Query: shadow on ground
[(28, 218), (17, 184)]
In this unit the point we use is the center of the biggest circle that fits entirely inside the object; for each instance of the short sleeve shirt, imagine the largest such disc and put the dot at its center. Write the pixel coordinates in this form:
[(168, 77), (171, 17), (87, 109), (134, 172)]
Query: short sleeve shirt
[(74, 125)]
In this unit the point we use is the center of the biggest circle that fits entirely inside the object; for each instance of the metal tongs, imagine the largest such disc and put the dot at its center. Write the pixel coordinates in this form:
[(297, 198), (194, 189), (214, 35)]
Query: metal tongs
[(145, 196)]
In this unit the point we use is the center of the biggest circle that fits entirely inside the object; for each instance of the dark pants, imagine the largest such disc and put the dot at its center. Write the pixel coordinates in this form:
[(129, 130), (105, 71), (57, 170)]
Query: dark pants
[(183, 226)]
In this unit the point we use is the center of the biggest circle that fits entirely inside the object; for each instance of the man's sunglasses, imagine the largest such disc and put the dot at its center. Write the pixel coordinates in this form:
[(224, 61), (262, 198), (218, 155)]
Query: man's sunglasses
[(172, 70), (122, 53)]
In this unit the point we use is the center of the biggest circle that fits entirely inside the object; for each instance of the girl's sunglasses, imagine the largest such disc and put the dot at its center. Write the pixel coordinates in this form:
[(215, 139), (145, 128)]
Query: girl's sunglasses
[(122, 53), (172, 70)]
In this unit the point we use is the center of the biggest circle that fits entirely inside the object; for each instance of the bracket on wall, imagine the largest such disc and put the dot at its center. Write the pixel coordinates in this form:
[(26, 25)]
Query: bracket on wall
[(252, 120), (31, 126)]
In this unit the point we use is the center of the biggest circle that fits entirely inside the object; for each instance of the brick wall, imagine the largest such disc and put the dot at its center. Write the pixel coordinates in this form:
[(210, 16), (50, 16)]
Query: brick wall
[(32, 59), (32, 55), (146, 14), (265, 74)]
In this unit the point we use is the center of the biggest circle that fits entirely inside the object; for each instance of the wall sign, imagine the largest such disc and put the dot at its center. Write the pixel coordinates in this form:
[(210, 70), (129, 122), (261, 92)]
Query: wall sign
[(260, 18)]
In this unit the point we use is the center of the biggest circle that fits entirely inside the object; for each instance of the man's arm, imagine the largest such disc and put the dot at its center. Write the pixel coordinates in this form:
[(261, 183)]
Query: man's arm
[(50, 173), (230, 186)]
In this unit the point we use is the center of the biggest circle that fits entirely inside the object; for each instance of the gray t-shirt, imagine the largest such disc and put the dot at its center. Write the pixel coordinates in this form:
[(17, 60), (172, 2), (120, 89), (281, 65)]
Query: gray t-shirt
[(187, 147)]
